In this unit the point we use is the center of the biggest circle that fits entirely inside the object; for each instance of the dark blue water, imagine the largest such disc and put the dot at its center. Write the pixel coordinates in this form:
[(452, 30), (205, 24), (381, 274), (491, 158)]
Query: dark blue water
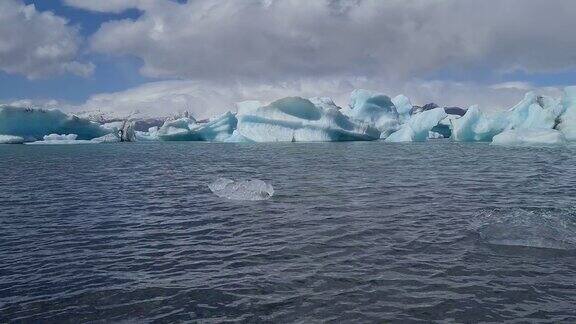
[(355, 232)]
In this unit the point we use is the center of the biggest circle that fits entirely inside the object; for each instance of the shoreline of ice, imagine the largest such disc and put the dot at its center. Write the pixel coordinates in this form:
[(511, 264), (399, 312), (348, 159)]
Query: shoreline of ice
[(370, 116)]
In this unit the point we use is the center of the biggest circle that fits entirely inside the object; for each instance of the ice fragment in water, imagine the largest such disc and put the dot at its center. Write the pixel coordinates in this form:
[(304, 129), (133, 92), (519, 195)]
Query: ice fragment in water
[(242, 190), (526, 228)]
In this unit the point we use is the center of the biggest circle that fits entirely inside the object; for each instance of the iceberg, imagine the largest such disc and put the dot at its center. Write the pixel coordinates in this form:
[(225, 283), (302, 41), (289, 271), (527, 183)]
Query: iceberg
[(374, 109), (108, 138), (150, 135), (534, 112), (296, 119), (188, 129), (36, 123), (567, 121), (474, 126), (10, 139), (242, 190), (529, 136), (403, 107), (418, 126), (60, 139), (236, 137)]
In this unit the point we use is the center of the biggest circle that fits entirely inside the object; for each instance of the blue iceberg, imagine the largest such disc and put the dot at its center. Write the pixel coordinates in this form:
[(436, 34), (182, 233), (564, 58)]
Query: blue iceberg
[(33, 124)]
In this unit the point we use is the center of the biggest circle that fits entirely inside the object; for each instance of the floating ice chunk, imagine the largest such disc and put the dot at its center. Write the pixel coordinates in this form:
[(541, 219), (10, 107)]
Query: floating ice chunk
[(567, 120), (474, 126), (58, 137), (418, 126), (242, 190), (150, 135), (534, 112), (403, 107), (530, 136), (108, 138), (236, 137), (187, 129), (296, 119), (9, 139), (375, 109), (27, 122), (525, 228)]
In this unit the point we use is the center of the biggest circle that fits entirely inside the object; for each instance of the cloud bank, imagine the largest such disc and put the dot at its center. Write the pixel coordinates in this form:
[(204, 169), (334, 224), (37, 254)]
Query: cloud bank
[(38, 44)]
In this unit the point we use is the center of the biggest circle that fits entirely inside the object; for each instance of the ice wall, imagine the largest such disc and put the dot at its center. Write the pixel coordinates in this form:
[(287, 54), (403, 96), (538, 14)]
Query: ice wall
[(188, 129), (418, 126), (36, 123), (296, 119), (374, 109)]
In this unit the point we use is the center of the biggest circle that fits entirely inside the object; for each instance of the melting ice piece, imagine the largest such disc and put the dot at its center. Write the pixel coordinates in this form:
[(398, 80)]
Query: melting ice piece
[(418, 126), (568, 118), (403, 106), (9, 139), (374, 109), (525, 228), (58, 137), (296, 119), (474, 126), (26, 122), (242, 190), (216, 129), (530, 136)]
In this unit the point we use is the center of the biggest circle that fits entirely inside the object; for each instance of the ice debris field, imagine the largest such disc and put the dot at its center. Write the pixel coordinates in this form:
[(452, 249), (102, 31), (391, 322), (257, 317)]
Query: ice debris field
[(536, 120)]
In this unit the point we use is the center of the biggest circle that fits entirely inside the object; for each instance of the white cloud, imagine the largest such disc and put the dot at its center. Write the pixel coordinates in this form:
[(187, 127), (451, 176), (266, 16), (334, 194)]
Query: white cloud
[(283, 40), (38, 44)]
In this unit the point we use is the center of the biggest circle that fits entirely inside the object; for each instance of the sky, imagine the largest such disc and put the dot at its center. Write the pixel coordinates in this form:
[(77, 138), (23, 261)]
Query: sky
[(164, 56)]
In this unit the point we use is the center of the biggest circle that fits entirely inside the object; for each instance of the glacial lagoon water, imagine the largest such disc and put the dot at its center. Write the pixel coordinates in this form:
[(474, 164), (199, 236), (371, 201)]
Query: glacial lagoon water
[(355, 232)]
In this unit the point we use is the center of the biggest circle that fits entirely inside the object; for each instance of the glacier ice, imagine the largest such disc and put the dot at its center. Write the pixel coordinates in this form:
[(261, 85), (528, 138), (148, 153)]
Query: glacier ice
[(527, 228), (10, 139), (36, 123), (150, 135), (242, 190), (60, 139), (188, 129), (403, 107), (369, 116), (529, 136), (374, 109), (474, 126), (236, 137), (418, 126), (567, 120), (534, 112), (296, 119)]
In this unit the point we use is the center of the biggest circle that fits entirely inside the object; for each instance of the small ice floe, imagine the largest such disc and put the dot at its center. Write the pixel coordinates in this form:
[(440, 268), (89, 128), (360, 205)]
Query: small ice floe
[(59, 139), (9, 139), (242, 190), (527, 228)]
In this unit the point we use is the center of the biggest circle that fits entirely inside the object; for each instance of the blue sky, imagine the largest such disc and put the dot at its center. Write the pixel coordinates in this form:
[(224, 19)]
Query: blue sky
[(110, 54), (111, 73)]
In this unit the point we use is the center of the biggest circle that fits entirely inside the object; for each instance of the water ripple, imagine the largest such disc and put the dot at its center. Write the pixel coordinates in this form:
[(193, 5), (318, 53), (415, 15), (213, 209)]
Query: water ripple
[(355, 232)]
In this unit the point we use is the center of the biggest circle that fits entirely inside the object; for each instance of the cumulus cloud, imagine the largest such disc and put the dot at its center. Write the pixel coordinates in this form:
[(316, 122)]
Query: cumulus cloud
[(278, 40), (38, 44), (224, 51)]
